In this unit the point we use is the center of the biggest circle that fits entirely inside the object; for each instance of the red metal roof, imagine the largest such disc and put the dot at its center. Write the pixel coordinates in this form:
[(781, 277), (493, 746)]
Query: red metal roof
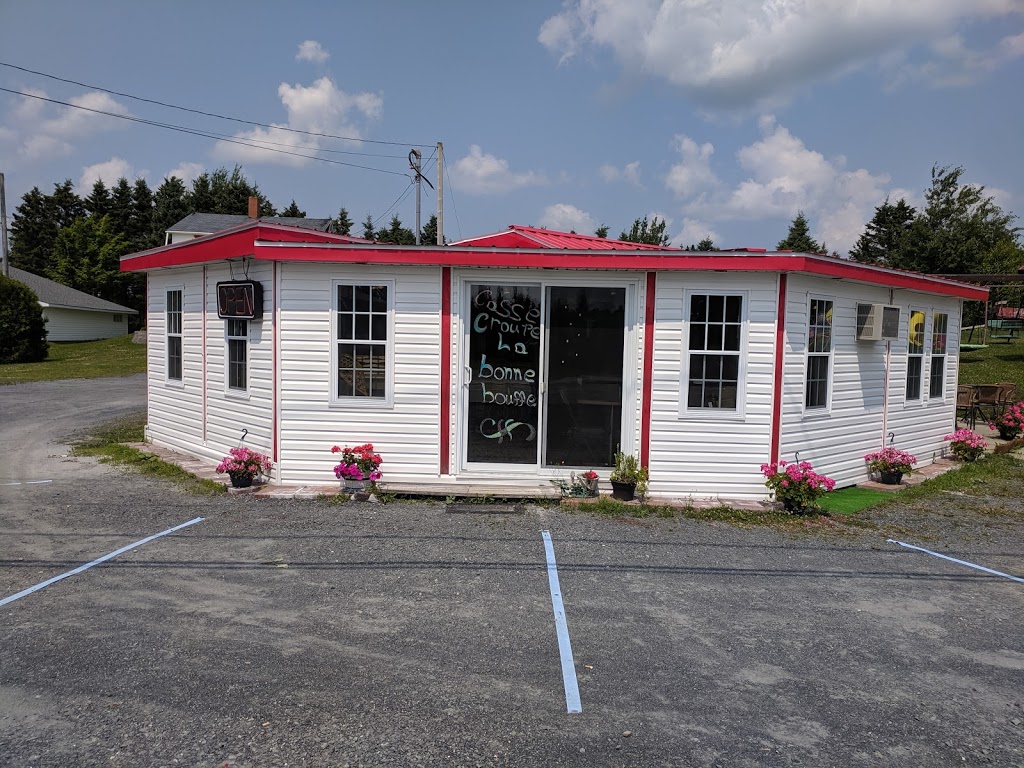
[(518, 236)]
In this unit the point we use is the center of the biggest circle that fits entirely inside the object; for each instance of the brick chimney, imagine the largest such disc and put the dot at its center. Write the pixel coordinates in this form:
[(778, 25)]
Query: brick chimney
[(254, 207)]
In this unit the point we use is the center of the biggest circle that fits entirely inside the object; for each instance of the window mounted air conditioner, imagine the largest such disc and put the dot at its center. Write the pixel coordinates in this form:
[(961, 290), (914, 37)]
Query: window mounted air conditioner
[(877, 322)]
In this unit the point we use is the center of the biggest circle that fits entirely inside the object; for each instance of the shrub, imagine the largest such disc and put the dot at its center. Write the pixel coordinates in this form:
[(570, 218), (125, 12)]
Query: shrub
[(22, 326), (965, 444)]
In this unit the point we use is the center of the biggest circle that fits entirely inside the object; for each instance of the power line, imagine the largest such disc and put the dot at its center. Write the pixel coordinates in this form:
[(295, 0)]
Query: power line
[(208, 114), (451, 194), (197, 132)]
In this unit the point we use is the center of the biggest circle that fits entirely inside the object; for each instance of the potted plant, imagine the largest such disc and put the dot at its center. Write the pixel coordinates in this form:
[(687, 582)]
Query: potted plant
[(590, 478), (1010, 422), (358, 466), (891, 464), (629, 478), (965, 444), (796, 486), (243, 465), (578, 486)]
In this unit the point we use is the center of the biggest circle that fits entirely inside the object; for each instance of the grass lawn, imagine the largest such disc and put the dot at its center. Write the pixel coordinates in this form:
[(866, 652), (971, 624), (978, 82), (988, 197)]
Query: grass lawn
[(849, 501), (999, 361), (81, 360)]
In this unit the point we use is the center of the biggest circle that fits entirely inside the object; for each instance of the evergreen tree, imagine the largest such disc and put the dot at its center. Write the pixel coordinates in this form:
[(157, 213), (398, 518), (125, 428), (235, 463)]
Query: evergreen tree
[(343, 224), (67, 205), (122, 208), (223, 192), (22, 326), (396, 233), (651, 233), (602, 231), (293, 211), (799, 239), (98, 201), (368, 233), (883, 237), (169, 207), (705, 245), (87, 258), (429, 234), (33, 230), (142, 217)]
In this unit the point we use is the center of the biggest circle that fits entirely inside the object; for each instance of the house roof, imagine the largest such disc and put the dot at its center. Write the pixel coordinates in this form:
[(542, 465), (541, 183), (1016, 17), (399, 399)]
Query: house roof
[(518, 236), (270, 242), (53, 294), (208, 223)]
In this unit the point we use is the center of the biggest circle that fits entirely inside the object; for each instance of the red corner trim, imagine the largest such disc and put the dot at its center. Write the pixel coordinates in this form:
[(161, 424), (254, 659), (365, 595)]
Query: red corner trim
[(648, 384), (780, 353), (446, 367), (275, 353)]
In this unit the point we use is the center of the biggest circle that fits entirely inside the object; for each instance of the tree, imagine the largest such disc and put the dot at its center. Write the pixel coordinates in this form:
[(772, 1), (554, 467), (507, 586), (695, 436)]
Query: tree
[(98, 201), (87, 257), (960, 230), (428, 236), (33, 230), (67, 205), (141, 223), (368, 228), (707, 244), (883, 237), (799, 238), (293, 211), (22, 326), (122, 208), (169, 207), (396, 233), (221, 192), (601, 231), (651, 233), (343, 224)]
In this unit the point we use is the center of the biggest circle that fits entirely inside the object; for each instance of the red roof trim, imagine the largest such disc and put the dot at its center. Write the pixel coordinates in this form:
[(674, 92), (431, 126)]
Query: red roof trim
[(290, 244)]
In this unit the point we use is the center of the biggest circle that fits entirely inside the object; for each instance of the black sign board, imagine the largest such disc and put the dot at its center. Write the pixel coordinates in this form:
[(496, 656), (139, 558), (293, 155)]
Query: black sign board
[(240, 299)]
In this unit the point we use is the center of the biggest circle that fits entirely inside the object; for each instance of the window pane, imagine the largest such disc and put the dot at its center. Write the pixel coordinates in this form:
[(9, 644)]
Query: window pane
[(698, 308), (914, 378), (345, 301), (915, 334), (379, 327), (730, 368), (344, 326), (694, 394), (728, 395), (938, 376), (817, 381), (174, 357), (697, 336), (380, 298), (362, 327), (714, 336), (696, 367), (733, 309), (362, 293), (716, 309), (732, 338)]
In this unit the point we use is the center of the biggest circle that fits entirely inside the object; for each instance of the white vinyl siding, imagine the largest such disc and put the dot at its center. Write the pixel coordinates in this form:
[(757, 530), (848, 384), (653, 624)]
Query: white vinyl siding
[(697, 454), (407, 435), (83, 325)]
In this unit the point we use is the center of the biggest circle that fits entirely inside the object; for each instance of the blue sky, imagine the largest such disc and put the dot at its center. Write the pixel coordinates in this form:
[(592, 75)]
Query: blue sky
[(725, 117)]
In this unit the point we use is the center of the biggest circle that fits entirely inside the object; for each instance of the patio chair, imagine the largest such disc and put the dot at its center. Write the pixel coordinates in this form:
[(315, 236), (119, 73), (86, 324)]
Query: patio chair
[(967, 407), (1007, 395), (988, 399)]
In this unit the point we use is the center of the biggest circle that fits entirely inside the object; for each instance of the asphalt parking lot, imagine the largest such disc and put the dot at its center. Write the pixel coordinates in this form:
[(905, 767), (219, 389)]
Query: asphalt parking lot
[(285, 632)]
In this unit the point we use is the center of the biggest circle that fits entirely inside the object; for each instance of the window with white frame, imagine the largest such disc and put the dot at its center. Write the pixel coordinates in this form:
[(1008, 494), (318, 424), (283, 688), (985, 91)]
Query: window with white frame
[(819, 354), (937, 369), (173, 334), (237, 333), (915, 354), (713, 366), (362, 340)]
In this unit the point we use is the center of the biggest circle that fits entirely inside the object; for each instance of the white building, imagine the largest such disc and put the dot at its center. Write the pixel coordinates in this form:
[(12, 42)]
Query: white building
[(510, 359), (72, 315)]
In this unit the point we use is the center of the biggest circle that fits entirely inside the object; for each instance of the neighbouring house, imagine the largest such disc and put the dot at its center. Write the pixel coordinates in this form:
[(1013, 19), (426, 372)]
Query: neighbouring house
[(502, 362), (72, 315), (198, 224)]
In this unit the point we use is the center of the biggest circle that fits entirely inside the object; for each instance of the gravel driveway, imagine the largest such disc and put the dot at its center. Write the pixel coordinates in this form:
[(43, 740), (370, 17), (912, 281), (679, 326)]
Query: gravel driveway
[(285, 632)]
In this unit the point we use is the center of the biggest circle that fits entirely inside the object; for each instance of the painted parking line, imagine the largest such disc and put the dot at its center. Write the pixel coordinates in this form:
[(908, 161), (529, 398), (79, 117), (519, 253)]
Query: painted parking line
[(29, 482), (97, 561), (572, 689), (954, 560)]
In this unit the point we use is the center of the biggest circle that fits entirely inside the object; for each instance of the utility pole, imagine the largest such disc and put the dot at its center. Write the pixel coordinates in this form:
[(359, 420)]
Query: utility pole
[(3, 227), (415, 156), (440, 193)]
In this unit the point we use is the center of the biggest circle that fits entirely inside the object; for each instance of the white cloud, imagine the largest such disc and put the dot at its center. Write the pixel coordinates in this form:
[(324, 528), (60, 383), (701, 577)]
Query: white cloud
[(479, 173), (39, 129), (110, 171), (186, 171), (565, 217), (693, 231), (318, 108), (311, 50), (741, 52), (629, 173), (782, 176)]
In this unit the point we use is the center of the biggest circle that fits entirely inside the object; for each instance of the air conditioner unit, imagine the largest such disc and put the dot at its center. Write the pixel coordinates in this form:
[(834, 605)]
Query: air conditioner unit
[(877, 322)]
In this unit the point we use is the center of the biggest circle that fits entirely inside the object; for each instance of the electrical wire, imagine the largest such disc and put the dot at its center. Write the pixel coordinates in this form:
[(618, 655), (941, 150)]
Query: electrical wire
[(451, 194), (197, 132), (207, 114)]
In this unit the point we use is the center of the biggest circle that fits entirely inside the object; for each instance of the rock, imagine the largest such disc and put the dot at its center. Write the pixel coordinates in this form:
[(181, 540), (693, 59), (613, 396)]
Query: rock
[(626, 734)]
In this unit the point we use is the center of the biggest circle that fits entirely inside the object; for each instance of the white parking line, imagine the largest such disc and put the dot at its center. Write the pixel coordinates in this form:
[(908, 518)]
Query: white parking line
[(572, 689), (954, 560), (29, 482), (97, 561)]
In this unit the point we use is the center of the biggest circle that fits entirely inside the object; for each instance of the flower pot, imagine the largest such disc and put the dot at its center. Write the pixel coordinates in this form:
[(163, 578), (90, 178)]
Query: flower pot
[(623, 491), (353, 486), (890, 477), (592, 486), (1008, 433), (240, 480)]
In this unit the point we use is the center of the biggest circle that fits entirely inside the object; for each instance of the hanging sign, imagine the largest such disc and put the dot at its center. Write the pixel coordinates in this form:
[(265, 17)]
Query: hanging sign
[(240, 299)]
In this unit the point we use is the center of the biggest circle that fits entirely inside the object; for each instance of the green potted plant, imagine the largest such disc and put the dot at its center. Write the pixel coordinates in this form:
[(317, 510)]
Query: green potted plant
[(629, 478), (1010, 422), (243, 465), (891, 464)]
